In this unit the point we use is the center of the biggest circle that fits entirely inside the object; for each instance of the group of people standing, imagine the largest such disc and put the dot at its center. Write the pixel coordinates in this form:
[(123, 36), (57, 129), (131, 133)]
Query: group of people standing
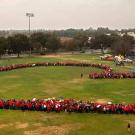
[(66, 105), (79, 64), (107, 71), (108, 74)]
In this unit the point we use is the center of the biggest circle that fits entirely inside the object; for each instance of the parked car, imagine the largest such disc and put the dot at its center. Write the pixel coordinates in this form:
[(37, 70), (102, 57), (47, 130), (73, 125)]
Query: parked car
[(107, 57), (128, 60), (132, 71)]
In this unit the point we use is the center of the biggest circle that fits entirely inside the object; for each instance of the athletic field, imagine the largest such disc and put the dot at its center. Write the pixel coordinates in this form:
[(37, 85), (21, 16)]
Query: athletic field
[(45, 82)]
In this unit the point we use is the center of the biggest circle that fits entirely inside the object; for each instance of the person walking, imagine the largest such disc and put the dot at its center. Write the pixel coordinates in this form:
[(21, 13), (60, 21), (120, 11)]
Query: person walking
[(81, 75), (129, 127)]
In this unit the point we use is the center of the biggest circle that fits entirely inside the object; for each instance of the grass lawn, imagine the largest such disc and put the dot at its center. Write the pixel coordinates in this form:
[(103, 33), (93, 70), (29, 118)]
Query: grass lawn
[(44, 82)]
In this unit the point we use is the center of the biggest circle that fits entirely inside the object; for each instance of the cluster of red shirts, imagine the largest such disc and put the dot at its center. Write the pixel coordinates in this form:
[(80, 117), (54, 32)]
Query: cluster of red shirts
[(66, 105), (17, 66), (107, 73)]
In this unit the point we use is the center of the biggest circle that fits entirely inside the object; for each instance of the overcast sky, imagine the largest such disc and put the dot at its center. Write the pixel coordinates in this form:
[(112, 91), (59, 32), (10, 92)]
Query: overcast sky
[(64, 14)]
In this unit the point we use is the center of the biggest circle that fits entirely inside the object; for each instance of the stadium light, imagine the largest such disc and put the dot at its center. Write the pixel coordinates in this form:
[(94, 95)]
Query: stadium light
[(29, 15)]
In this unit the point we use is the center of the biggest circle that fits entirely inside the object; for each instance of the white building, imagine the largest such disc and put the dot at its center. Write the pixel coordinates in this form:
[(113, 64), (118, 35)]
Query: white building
[(128, 33), (131, 34)]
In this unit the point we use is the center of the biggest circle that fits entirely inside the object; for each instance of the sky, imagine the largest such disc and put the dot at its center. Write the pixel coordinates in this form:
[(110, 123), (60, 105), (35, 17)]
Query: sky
[(65, 14)]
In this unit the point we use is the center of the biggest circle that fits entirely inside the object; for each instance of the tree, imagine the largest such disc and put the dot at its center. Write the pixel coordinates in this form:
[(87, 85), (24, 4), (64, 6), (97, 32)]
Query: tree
[(103, 40), (69, 45), (39, 40), (3, 45), (101, 31), (53, 43), (123, 44), (81, 40), (18, 43)]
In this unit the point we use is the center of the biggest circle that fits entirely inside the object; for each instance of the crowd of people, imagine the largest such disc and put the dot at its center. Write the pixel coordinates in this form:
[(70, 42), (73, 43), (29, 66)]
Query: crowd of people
[(107, 71), (17, 66), (111, 75), (66, 105)]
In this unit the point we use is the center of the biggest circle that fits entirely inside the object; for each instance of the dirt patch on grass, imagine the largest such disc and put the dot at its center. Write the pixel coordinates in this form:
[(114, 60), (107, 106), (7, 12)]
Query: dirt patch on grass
[(51, 56), (6, 125), (80, 81), (131, 122), (54, 130), (103, 101), (19, 125), (51, 117), (3, 126), (37, 124)]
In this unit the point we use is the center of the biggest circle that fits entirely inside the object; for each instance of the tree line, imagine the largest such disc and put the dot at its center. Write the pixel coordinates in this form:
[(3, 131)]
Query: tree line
[(20, 43), (40, 42), (116, 43), (43, 42)]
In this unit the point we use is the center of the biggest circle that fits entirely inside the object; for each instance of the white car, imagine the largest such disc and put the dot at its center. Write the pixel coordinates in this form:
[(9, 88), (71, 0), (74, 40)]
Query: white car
[(105, 56), (128, 60)]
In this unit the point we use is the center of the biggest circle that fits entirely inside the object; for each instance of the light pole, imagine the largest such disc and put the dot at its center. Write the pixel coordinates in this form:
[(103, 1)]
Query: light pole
[(29, 15)]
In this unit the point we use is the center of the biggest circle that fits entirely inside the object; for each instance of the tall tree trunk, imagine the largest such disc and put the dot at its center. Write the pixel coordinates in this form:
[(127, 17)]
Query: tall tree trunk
[(41, 50), (102, 50), (18, 54), (30, 52)]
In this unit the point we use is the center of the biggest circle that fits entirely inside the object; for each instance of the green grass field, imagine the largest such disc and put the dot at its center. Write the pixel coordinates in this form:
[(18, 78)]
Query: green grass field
[(44, 82)]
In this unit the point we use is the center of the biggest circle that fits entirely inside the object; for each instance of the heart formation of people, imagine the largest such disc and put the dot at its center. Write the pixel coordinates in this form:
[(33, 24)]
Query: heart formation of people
[(70, 105)]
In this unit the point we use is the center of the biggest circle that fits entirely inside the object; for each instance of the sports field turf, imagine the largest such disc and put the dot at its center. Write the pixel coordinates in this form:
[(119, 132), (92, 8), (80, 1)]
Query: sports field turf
[(44, 82)]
